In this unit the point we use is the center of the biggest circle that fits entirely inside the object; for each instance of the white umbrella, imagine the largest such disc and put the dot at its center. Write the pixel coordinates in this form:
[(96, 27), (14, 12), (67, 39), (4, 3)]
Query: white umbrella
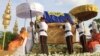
[(29, 10), (23, 10), (26, 10)]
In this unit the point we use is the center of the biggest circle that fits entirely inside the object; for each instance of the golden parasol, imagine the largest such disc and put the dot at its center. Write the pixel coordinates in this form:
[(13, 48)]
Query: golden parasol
[(84, 12)]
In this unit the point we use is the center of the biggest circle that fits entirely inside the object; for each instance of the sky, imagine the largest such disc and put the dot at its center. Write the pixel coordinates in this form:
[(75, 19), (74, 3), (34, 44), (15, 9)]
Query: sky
[(49, 5)]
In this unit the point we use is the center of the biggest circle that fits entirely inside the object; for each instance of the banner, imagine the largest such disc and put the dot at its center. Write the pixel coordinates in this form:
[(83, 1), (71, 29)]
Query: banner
[(57, 17)]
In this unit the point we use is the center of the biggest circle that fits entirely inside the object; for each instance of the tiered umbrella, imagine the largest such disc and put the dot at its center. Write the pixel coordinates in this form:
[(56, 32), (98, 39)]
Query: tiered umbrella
[(6, 20)]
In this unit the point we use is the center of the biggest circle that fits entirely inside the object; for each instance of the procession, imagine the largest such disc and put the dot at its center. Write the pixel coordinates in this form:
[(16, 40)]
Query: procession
[(50, 33)]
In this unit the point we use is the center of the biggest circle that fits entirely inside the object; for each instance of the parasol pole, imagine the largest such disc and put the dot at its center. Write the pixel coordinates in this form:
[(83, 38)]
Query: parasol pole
[(32, 27), (31, 11), (31, 21), (25, 22), (31, 15)]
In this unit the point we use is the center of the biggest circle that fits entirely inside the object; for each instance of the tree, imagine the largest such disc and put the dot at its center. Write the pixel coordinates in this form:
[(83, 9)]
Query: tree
[(97, 20), (98, 23), (9, 37)]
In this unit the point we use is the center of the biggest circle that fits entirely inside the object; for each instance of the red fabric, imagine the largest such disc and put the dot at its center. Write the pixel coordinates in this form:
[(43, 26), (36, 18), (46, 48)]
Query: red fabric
[(97, 37), (91, 45)]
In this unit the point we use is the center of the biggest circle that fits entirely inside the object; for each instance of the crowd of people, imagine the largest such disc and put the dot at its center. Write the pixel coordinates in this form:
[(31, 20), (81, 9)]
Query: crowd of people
[(23, 42), (91, 45)]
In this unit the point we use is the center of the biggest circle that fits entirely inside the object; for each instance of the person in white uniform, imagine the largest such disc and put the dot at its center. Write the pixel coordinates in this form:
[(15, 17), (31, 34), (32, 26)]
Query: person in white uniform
[(82, 36), (95, 27), (30, 40), (94, 30), (43, 27), (69, 37)]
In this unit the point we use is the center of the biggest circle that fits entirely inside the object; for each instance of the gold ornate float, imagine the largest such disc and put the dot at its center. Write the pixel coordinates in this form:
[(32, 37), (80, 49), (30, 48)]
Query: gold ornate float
[(56, 33), (84, 12)]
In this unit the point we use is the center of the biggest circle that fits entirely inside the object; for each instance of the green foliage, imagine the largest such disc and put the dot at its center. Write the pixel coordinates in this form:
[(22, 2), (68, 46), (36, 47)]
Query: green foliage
[(97, 20), (98, 23), (9, 37)]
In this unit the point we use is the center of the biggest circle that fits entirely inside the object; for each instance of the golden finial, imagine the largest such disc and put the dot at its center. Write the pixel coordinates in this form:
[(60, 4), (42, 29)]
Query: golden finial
[(7, 16), (6, 22), (15, 29)]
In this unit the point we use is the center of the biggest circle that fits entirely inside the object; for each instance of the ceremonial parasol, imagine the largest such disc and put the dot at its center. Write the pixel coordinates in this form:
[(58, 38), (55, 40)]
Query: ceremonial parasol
[(84, 12), (26, 10), (23, 10)]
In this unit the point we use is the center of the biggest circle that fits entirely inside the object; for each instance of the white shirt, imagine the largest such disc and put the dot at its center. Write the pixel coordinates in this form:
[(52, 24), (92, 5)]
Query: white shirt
[(43, 26), (68, 27), (81, 28), (94, 26), (29, 30)]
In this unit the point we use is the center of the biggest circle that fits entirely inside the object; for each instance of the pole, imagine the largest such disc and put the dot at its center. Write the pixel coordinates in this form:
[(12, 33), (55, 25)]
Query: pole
[(4, 38), (32, 27), (24, 22), (31, 15)]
